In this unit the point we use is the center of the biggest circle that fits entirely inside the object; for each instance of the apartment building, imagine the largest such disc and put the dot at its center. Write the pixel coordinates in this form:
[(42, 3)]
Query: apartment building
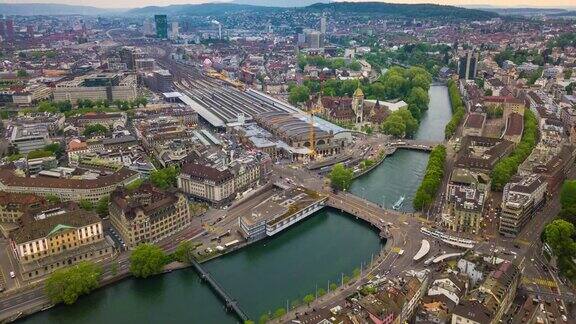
[(148, 214), (520, 200)]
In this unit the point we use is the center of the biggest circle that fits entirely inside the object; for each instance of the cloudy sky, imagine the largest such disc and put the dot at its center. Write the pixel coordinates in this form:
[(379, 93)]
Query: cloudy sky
[(141, 3)]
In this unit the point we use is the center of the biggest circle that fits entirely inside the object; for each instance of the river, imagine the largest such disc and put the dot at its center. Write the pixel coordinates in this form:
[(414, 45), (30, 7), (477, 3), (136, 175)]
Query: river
[(401, 174), (264, 276)]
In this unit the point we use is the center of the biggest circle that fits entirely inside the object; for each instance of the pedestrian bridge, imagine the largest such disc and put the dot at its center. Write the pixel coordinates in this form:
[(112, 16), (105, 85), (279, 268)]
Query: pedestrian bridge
[(231, 304)]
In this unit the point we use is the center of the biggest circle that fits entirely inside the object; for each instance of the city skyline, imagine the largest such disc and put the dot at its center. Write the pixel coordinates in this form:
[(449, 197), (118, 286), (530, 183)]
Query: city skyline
[(143, 3)]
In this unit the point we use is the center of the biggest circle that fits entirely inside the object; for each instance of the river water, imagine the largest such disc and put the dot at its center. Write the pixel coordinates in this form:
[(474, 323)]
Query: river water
[(401, 174), (264, 276)]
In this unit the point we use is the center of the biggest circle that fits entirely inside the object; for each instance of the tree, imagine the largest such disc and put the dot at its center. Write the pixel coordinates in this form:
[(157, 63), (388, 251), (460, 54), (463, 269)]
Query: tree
[(21, 73), (432, 180), (346, 280), (53, 199), (67, 284), (559, 236), (46, 106), (102, 206), (355, 66), (507, 167), (64, 106), (308, 299), (570, 88), (279, 312), (146, 260), (568, 194), (394, 125), (410, 122), (299, 94), (134, 184), (394, 85), (56, 149), (86, 204), (36, 154), (355, 273), (321, 292), (183, 252), (333, 286), (164, 178), (341, 176), (417, 101), (263, 319), (95, 129), (337, 63)]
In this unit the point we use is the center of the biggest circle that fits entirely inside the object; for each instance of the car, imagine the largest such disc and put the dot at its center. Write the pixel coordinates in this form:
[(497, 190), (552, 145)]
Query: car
[(12, 274)]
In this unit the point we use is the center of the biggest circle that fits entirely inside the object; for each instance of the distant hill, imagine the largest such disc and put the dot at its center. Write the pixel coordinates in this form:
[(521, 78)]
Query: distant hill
[(284, 3), (31, 9), (403, 10), (525, 11), (565, 14), (205, 9)]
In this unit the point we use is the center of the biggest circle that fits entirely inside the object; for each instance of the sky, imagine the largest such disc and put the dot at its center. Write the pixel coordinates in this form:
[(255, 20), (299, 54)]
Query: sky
[(142, 3)]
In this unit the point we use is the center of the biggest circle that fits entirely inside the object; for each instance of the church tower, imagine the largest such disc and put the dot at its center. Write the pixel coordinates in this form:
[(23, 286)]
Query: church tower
[(358, 105)]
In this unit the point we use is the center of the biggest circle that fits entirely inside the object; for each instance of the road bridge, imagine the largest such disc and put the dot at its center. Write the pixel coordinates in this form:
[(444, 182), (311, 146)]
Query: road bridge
[(231, 304), (368, 211), (419, 145)]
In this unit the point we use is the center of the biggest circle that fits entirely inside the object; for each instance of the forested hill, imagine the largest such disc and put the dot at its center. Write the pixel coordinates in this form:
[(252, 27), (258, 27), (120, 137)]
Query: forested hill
[(204, 9), (403, 10)]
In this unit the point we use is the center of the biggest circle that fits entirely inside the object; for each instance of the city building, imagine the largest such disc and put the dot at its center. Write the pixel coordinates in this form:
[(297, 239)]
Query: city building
[(489, 303), (162, 81), (474, 124), (207, 183), (61, 183), (482, 153), (279, 212), (464, 209), (128, 57), (161, 26), (520, 200), (99, 86), (148, 214), (13, 206), (29, 137), (57, 238), (514, 128), (468, 65)]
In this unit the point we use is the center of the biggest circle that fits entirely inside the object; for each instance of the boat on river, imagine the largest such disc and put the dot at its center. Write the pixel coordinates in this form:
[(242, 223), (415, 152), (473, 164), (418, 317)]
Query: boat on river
[(398, 203)]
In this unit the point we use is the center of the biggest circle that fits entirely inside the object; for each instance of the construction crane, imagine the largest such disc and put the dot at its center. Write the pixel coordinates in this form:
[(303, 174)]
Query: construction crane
[(222, 76)]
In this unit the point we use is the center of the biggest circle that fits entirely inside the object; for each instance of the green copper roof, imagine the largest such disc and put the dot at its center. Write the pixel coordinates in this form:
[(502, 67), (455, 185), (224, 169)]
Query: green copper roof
[(58, 228)]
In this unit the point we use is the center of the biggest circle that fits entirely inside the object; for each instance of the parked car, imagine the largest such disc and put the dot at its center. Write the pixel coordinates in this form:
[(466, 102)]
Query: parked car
[(12, 274)]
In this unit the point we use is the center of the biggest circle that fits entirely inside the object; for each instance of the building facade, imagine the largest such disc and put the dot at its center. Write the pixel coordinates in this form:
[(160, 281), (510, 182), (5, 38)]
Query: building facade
[(148, 214), (520, 201), (54, 239), (65, 189)]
